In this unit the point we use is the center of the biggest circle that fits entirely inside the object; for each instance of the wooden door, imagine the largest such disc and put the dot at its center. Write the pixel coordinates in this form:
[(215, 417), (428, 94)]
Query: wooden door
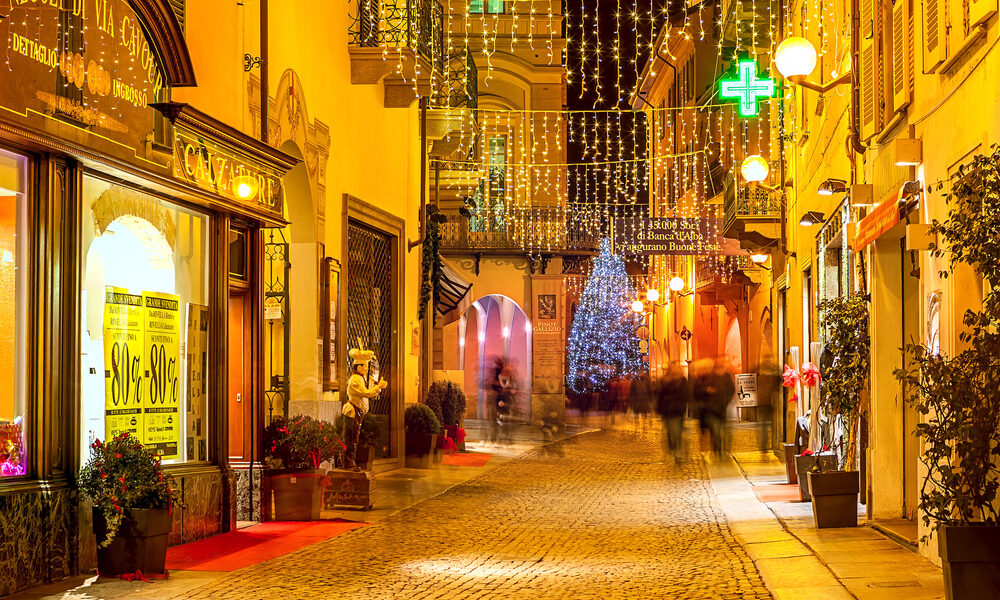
[(239, 388)]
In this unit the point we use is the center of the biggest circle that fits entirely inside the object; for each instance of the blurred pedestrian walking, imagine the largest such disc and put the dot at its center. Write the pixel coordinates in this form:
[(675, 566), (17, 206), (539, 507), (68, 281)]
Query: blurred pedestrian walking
[(673, 397)]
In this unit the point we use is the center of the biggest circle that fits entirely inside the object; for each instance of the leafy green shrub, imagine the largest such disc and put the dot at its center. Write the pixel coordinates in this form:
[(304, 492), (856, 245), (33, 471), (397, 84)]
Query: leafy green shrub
[(301, 442), (957, 395), (450, 398), (122, 474), (845, 320), (421, 419)]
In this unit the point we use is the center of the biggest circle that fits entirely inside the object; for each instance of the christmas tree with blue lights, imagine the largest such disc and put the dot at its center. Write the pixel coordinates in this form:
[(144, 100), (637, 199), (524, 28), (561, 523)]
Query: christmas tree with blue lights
[(603, 341)]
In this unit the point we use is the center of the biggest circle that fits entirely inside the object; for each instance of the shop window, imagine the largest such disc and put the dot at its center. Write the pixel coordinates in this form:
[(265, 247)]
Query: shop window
[(145, 303), (13, 290), (238, 255)]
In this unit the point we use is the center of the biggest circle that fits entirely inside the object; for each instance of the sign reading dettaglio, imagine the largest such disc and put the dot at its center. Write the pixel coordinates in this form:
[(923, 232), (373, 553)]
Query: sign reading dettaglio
[(222, 170), (86, 63)]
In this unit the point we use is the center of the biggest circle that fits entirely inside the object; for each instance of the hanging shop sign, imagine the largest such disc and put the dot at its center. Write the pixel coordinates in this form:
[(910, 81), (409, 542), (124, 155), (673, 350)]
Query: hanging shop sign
[(642, 236), (885, 216), (84, 63), (746, 88)]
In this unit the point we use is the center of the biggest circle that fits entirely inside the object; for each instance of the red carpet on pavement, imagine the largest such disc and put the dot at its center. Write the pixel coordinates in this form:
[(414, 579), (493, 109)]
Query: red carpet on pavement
[(253, 545), (466, 459), (777, 492)]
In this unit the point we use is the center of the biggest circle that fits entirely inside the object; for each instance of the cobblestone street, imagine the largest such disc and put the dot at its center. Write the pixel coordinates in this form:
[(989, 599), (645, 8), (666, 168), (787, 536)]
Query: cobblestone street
[(599, 515)]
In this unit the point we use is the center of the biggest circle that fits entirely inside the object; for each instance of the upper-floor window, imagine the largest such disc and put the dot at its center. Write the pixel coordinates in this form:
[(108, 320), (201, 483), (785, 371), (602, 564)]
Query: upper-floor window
[(491, 6)]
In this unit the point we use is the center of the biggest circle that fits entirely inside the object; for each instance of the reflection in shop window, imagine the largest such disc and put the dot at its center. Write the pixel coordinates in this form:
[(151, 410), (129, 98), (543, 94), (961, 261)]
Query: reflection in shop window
[(13, 300), (144, 345)]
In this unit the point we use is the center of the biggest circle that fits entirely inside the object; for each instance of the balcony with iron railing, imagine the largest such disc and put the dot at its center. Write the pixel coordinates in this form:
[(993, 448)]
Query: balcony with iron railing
[(398, 42), (533, 230), (751, 214)]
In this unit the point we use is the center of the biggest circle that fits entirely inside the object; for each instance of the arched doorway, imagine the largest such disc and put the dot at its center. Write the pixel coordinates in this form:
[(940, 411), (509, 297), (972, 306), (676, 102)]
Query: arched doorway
[(495, 328)]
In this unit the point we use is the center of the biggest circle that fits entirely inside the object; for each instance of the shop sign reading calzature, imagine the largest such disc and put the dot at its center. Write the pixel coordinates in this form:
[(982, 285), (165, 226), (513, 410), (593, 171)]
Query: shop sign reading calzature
[(87, 63), (142, 368), (220, 169)]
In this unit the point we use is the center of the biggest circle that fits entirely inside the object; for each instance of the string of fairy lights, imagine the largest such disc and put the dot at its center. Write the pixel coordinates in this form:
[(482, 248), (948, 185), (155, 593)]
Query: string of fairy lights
[(548, 180)]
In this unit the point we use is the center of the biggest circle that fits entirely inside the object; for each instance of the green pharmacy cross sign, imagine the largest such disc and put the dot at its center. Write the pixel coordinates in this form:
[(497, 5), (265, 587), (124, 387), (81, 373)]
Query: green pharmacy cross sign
[(747, 88)]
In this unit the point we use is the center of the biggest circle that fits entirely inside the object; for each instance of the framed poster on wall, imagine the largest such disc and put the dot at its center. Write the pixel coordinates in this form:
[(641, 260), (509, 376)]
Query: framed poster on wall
[(331, 307)]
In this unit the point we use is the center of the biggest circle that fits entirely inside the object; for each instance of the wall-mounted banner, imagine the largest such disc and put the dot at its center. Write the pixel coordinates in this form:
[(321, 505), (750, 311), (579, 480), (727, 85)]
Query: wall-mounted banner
[(643, 236), (86, 63), (123, 364), (161, 318)]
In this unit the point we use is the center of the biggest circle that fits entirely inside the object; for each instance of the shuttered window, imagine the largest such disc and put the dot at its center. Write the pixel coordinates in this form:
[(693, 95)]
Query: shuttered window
[(178, 6), (934, 34), (902, 57)]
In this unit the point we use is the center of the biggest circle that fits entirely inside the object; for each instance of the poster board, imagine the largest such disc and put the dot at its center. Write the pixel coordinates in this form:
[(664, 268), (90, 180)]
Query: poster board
[(197, 390), (746, 389), (161, 348), (123, 364), (331, 308)]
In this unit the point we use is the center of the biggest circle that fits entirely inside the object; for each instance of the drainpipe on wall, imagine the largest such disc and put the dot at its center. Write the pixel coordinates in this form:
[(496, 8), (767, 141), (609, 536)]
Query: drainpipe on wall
[(263, 72)]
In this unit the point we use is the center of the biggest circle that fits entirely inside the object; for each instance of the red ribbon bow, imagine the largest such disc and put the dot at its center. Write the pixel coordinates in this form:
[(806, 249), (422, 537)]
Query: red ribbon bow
[(810, 374), (790, 377)]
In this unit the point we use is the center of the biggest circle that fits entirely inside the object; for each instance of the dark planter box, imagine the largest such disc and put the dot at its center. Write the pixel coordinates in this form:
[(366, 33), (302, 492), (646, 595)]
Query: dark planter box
[(349, 489), (835, 498), (790, 472), (139, 545), (298, 495), (805, 462), (420, 449), (970, 559)]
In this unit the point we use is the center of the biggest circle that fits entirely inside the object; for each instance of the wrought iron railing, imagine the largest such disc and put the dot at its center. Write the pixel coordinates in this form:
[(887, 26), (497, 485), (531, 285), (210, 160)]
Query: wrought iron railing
[(415, 24), (750, 203), (533, 229), (709, 269), (461, 82)]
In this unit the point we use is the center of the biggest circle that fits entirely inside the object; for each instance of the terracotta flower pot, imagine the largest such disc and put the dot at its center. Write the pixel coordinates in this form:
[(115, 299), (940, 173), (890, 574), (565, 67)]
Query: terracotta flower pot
[(298, 495), (835, 498), (139, 545), (970, 559)]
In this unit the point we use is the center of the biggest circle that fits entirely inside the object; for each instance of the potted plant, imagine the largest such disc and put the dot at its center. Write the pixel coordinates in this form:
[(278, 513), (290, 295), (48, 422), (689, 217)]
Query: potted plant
[(133, 504), (957, 398), (834, 491), (447, 400), (422, 428), (294, 449)]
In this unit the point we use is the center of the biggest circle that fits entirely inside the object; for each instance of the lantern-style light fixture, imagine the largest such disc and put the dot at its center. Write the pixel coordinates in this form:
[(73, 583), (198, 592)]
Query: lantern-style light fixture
[(676, 284), (637, 306), (652, 294), (759, 258), (755, 168), (795, 57)]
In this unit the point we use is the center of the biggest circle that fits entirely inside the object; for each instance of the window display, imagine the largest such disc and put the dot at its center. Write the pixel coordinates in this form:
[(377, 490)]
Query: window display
[(145, 303), (13, 449)]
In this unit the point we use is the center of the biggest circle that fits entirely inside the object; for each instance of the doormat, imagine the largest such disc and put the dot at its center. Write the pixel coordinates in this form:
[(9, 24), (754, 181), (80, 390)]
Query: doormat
[(253, 545), (782, 492), (466, 459)]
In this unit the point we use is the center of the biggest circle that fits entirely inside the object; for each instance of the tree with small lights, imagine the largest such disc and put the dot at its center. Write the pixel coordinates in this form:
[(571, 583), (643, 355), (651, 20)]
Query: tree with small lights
[(603, 340)]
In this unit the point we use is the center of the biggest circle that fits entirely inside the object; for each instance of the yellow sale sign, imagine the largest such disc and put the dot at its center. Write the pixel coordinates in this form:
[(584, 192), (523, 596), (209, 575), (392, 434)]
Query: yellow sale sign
[(123, 368), (161, 350)]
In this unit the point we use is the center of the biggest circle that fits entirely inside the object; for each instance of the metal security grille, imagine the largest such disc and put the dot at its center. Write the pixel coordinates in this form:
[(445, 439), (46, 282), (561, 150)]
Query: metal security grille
[(369, 308)]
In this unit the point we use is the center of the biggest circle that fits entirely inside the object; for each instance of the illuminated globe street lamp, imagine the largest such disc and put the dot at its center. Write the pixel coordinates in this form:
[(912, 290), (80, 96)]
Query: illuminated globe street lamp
[(795, 59), (755, 168), (676, 284)]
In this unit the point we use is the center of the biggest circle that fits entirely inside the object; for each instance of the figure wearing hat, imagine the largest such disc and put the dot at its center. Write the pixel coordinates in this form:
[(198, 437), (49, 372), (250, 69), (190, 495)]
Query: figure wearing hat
[(356, 406)]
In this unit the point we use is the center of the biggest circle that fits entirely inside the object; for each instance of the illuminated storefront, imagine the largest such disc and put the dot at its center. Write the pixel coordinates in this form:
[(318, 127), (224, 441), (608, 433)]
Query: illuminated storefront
[(130, 228)]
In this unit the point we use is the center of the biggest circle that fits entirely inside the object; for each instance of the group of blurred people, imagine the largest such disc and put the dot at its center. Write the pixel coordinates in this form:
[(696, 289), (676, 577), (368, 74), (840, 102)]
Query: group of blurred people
[(704, 394)]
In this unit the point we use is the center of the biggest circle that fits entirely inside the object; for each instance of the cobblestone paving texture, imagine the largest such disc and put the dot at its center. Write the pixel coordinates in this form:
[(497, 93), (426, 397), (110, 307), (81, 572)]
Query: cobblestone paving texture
[(599, 515)]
